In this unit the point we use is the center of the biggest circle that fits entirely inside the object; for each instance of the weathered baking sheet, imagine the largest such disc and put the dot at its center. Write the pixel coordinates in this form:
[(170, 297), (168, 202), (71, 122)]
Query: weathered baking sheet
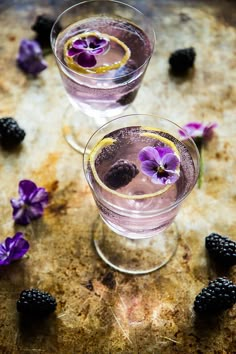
[(145, 314)]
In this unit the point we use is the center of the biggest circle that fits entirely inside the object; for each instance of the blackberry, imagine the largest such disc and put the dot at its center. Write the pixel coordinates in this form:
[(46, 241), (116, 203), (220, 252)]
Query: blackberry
[(221, 248), (11, 134), (128, 98), (42, 26), (36, 302), (120, 174), (219, 295), (181, 60)]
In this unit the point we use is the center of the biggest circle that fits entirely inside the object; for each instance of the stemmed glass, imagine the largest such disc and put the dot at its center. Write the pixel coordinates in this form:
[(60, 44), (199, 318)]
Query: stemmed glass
[(140, 169), (102, 49)]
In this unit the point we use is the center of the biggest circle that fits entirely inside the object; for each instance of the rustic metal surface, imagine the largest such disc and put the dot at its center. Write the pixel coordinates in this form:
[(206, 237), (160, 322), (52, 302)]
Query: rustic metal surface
[(99, 310)]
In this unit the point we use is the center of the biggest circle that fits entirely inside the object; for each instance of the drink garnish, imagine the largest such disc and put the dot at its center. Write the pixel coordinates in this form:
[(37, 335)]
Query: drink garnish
[(80, 52), (108, 142), (120, 174), (160, 163)]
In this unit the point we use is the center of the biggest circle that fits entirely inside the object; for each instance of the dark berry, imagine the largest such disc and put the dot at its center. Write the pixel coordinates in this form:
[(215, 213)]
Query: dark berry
[(11, 134), (125, 72), (221, 248), (36, 302), (120, 174), (220, 295), (128, 98), (42, 26), (181, 60)]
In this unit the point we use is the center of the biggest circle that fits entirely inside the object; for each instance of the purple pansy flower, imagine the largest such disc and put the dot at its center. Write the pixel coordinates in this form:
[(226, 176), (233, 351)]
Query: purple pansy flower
[(201, 134), (31, 203), (30, 57), (199, 130), (160, 163), (13, 248), (84, 50)]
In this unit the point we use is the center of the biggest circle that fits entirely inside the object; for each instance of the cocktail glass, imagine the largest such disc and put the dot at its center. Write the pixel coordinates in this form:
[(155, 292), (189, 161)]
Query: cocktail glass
[(102, 49), (138, 191)]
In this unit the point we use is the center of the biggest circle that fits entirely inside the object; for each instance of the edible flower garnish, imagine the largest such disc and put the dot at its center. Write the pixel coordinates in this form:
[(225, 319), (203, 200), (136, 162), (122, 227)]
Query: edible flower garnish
[(31, 203), (201, 134), (30, 57), (13, 248), (160, 163), (84, 50), (81, 51)]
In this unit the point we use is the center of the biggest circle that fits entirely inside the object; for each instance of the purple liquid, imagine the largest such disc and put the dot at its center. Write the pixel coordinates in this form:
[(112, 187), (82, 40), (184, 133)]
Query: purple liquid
[(146, 219), (106, 94)]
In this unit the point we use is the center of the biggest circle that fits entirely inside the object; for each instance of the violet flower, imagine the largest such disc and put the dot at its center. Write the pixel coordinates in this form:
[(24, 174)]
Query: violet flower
[(30, 57), (31, 203), (84, 50), (201, 134), (160, 163), (199, 131), (13, 248)]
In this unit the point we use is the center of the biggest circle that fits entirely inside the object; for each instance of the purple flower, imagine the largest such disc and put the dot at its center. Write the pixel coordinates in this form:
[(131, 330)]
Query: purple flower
[(199, 130), (31, 203), (13, 248), (84, 50), (160, 163), (30, 57), (201, 134)]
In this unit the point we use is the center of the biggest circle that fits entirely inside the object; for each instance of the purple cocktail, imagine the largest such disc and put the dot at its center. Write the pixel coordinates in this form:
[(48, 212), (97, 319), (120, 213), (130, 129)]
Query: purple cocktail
[(102, 52), (139, 170)]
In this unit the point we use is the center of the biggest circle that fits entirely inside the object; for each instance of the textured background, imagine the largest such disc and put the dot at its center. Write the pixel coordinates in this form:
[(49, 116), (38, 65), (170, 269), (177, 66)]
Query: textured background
[(99, 310)]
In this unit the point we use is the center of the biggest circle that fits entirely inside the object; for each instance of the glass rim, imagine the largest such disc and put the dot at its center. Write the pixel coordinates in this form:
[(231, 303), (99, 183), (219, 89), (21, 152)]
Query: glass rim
[(143, 212), (96, 77)]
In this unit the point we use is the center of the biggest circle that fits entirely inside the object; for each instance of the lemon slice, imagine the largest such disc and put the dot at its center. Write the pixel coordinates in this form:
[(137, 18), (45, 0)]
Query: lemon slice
[(100, 69), (161, 138), (109, 141)]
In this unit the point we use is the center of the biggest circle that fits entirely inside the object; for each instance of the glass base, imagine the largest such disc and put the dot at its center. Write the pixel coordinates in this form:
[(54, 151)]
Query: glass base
[(78, 127), (135, 256)]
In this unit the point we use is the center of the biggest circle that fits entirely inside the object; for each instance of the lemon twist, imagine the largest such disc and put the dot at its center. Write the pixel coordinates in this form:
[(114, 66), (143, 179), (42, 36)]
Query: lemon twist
[(109, 141), (100, 69)]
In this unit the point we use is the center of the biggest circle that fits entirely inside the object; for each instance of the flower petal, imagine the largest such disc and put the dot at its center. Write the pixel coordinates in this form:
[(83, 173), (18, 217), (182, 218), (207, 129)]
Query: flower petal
[(162, 151), (156, 179), (96, 51), (209, 130), (97, 45), (149, 153), (39, 196), (170, 162), (13, 248), (21, 216), (35, 211), (16, 203), (193, 129), (73, 51), (80, 44), (4, 258), (26, 188), (30, 57), (86, 60), (28, 48), (149, 167), (165, 178), (19, 246)]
